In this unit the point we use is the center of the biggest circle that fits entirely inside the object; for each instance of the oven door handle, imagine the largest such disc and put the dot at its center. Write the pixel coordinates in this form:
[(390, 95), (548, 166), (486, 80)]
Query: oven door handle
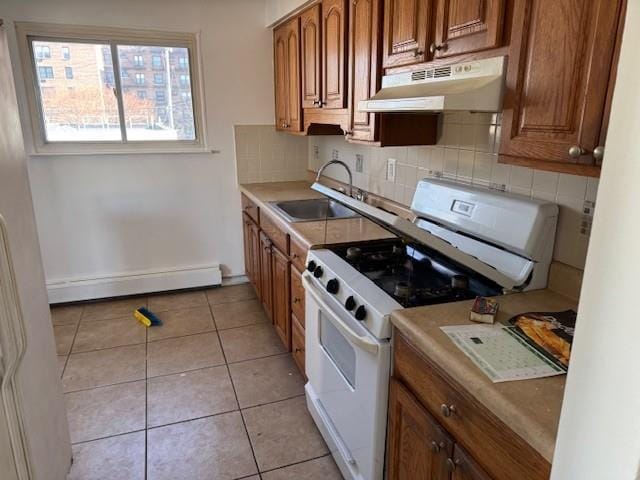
[(362, 342)]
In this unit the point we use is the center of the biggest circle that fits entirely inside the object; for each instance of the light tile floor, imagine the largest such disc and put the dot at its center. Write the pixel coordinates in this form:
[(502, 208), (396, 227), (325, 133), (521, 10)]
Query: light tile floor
[(211, 394)]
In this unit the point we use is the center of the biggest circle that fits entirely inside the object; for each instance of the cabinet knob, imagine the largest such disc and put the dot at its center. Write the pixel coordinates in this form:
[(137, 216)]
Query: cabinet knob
[(418, 53), (298, 350), (576, 151), (447, 410), (452, 464), (598, 153), (435, 448), (296, 300), (434, 47)]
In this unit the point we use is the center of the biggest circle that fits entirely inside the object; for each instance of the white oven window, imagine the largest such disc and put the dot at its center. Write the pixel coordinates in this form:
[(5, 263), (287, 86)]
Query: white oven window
[(339, 350)]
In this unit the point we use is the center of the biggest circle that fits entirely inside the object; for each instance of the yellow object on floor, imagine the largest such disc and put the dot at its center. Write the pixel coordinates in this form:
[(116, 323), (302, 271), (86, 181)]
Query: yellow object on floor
[(142, 319)]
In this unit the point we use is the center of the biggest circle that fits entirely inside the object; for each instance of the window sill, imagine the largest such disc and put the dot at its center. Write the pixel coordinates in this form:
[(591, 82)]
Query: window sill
[(122, 151)]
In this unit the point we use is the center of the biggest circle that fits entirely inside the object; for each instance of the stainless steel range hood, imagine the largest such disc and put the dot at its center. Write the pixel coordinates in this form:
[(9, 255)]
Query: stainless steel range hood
[(475, 86)]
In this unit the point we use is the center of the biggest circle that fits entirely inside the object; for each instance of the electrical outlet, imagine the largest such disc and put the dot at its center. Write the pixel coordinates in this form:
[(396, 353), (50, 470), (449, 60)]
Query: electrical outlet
[(335, 154), (391, 169), (316, 152), (587, 218), (359, 162)]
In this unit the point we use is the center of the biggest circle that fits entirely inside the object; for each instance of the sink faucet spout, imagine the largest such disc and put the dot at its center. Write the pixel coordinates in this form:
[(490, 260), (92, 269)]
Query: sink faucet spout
[(346, 167)]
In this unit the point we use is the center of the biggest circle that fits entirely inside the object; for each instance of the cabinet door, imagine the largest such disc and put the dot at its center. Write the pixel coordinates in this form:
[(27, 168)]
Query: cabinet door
[(564, 50), (254, 254), (266, 275), (297, 296), (464, 467), (364, 64), (248, 254), (287, 76), (281, 294), (407, 28), (464, 26), (298, 344), (334, 67), (418, 446), (281, 82), (310, 47)]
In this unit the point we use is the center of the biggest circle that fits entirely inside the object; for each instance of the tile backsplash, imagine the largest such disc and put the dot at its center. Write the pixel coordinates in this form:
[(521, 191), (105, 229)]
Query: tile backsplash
[(265, 155), (466, 152)]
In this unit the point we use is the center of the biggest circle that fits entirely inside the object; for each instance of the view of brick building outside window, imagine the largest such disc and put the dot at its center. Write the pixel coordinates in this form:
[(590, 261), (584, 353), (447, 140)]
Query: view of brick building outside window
[(78, 100)]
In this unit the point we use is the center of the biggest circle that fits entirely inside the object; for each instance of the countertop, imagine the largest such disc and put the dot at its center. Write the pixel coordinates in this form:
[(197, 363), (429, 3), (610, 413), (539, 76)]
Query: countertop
[(531, 408), (312, 234)]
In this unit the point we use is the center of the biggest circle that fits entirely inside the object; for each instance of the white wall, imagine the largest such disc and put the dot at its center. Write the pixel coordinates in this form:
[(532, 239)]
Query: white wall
[(599, 436), (101, 215), (277, 9)]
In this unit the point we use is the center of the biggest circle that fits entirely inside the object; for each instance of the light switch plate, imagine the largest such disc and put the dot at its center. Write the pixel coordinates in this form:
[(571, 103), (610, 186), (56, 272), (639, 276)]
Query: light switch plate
[(391, 169), (316, 152), (359, 162), (335, 154)]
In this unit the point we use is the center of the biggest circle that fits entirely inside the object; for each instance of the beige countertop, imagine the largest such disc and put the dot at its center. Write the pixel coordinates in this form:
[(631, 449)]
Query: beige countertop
[(531, 408), (312, 234)]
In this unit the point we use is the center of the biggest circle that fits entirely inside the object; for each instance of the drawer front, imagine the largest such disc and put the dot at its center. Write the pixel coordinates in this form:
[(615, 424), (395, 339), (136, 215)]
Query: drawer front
[(279, 237), (297, 296), (250, 208), (499, 450), (298, 254), (297, 343)]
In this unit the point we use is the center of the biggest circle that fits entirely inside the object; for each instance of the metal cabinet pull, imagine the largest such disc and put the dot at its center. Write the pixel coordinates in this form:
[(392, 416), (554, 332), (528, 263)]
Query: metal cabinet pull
[(598, 153), (435, 448), (296, 300), (434, 47), (447, 410), (576, 151), (452, 464), (418, 53), (298, 350)]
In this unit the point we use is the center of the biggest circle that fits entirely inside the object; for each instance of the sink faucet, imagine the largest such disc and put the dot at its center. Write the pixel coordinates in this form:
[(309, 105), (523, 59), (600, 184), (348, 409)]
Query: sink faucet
[(338, 162)]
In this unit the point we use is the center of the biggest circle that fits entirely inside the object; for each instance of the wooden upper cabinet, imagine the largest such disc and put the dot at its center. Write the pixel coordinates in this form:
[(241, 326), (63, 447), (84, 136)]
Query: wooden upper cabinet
[(310, 42), (562, 60), (464, 467), (334, 34), (418, 446), (365, 19), (287, 76), (465, 26), (407, 30)]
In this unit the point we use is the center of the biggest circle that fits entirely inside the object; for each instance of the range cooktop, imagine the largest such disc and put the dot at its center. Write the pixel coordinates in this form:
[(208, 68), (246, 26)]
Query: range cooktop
[(414, 275)]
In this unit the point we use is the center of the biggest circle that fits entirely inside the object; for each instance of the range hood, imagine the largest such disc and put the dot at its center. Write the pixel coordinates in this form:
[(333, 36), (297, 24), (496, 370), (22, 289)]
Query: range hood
[(475, 86)]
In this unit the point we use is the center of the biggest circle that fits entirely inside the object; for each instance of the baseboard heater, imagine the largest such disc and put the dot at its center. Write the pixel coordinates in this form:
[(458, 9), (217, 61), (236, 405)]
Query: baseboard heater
[(133, 283)]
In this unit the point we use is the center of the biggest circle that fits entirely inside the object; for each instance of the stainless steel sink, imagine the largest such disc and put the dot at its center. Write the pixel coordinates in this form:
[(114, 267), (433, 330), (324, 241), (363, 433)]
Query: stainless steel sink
[(312, 209)]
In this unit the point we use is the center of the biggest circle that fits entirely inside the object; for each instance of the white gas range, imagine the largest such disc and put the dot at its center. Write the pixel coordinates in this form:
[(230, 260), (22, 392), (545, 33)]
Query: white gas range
[(464, 242)]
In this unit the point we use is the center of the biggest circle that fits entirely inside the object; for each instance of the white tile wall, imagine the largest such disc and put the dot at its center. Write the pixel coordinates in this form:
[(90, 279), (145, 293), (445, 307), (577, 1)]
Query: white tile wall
[(265, 155), (466, 152)]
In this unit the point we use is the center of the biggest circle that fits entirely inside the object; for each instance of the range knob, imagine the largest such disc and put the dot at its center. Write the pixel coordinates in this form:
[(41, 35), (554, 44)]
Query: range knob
[(333, 286), (361, 313), (318, 272), (350, 303), (311, 266)]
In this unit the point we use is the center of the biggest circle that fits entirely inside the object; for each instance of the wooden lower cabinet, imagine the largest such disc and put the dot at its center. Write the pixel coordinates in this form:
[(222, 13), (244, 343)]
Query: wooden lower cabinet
[(426, 406), (297, 295), (464, 467), (298, 343), (418, 446), (281, 293), (266, 277)]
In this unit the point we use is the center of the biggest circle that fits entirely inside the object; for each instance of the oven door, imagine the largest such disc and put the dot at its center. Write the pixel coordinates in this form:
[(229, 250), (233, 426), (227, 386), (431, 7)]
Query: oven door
[(348, 371)]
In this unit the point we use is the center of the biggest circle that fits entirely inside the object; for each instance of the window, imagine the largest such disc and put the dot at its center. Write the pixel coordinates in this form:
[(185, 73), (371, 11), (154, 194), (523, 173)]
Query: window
[(98, 105), (183, 63), (42, 51), (45, 73)]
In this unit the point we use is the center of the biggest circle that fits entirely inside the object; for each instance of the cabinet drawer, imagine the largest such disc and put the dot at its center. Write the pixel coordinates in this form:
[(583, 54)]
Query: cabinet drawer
[(297, 296), (250, 208), (298, 254), (279, 237), (500, 451), (297, 343)]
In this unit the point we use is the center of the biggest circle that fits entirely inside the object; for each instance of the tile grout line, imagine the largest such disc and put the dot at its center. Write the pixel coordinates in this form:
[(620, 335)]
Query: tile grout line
[(146, 401), (235, 394), (295, 463), (75, 334)]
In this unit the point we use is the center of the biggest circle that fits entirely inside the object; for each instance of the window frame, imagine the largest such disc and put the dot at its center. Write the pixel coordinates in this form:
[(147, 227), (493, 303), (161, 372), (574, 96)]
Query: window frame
[(28, 32)]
